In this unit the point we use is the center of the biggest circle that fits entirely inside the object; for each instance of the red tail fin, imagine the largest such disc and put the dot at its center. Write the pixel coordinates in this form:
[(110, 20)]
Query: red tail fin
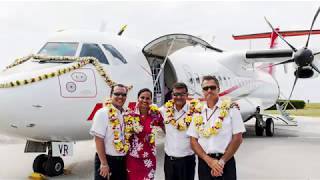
[(273, 38)]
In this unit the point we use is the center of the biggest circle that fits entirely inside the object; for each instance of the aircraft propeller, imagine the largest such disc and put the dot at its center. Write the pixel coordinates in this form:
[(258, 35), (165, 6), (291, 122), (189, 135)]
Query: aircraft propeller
[(302, 57)]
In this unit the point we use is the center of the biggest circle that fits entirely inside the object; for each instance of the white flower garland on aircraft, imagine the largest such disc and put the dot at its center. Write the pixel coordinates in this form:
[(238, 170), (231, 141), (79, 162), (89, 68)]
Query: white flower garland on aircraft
[(214, 129), (79, 62), (19, 61)]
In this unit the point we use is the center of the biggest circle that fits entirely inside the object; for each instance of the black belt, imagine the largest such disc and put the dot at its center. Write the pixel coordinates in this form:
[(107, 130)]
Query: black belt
[(172, 158), (116, 157), (216, 155)]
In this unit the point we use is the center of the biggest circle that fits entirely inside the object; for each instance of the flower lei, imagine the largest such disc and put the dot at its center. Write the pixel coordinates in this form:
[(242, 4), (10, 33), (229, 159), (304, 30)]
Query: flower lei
[(78, 62), (213, 130), (155, 114), (118, 143), (133, 123), (182, 125)]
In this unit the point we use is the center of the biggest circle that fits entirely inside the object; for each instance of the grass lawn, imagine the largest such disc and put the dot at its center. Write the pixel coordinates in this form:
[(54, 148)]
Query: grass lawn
[(311, 109)]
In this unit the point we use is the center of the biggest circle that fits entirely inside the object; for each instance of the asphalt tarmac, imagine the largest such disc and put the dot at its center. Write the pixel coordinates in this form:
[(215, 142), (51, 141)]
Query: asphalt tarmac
[(293, 153)]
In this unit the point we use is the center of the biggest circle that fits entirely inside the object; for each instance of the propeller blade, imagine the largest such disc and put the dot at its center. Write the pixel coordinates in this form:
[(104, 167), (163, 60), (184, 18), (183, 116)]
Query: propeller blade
[(284, 62), (316, 53), (314, 19), (293, 48), (294, 84), (286, 103), (315, 67)]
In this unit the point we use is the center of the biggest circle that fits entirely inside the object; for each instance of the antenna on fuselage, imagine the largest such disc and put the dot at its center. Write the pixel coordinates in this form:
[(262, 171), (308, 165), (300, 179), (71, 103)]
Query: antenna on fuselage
[(123, 28)]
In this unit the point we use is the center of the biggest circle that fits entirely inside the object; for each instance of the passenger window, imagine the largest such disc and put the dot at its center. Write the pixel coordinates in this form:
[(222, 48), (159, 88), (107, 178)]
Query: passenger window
[(94, 51), (115, 53)]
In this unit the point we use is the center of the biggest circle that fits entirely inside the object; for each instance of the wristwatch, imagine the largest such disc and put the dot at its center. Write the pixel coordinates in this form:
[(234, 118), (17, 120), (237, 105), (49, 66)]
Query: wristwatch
[(221, 162)]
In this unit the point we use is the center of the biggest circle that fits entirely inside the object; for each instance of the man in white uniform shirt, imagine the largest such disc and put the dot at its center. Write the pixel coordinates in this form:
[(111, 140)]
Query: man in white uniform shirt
[(179, 163), (216, 149), (110, 164)]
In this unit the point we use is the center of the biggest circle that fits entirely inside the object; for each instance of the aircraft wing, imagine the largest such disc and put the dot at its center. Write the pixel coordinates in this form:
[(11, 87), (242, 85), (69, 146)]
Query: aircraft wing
[(169, 44)]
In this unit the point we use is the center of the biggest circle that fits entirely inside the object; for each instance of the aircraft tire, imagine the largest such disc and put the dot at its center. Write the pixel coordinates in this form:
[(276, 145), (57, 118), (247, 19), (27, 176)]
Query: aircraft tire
[(54, 166), (258, 126), (269, 127), (38, 163)]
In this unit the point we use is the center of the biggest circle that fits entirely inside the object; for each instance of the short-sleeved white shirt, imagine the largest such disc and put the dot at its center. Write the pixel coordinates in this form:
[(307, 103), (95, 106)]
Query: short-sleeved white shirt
[(177, 143), (232, 124), (103, 129)]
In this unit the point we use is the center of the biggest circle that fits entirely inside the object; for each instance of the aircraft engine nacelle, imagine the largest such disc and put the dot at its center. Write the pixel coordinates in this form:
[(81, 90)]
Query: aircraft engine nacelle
[(306, 72)]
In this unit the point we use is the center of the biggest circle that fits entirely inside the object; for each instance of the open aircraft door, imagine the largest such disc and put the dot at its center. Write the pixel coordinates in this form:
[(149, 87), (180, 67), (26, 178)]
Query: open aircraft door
[(157, 53)]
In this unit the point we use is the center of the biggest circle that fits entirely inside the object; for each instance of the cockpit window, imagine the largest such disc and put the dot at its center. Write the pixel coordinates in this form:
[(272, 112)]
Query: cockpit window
[(59, 49), (115, 53), (94, 51)]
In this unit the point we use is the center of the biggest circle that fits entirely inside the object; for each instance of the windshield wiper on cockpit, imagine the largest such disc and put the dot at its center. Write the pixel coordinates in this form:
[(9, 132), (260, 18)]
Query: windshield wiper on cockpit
[(42, 61)]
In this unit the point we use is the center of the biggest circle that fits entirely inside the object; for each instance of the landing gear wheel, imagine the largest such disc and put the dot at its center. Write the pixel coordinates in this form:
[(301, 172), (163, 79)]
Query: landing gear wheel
[(259, 125), (54, 166), (38, 163), (269, 127)]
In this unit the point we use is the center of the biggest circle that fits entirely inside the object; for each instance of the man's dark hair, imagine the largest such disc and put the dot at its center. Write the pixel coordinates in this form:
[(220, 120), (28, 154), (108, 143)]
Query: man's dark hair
[(144, 90), (210, 77), (180, 85), (117, 85)]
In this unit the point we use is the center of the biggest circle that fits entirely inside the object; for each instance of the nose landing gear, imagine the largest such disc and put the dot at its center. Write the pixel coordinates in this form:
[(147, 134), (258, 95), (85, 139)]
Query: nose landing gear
[(48, 165)]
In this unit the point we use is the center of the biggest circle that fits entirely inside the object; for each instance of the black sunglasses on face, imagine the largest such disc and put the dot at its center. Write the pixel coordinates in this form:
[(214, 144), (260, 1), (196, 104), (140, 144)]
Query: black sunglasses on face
[(206, 88), (179, 94), (120, 94)]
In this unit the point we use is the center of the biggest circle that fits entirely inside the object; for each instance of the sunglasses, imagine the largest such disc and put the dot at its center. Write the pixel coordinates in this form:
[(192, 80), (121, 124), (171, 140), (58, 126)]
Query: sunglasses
[(179, 94), (206, 88), (120, 94)]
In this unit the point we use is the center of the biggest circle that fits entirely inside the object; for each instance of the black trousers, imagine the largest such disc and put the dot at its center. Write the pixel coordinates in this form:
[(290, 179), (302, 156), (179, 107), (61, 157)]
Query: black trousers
[(180, 168), (117, 165), (229, 170)]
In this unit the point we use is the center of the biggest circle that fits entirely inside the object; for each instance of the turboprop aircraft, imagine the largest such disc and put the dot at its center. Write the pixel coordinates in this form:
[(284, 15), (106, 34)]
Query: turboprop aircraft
[(50, 98)]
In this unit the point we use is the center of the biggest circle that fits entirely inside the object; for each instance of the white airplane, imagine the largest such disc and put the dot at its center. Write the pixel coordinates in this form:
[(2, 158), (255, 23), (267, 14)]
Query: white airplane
[(50, 99)]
